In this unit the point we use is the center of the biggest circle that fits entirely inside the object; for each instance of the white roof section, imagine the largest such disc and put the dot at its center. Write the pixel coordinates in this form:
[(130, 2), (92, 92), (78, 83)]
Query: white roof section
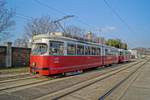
[(61, 36)]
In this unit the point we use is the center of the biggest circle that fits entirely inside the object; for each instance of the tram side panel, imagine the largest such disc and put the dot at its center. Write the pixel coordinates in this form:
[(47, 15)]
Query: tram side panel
[(108, 60), (47, 65), (110, 56), (75, 63)]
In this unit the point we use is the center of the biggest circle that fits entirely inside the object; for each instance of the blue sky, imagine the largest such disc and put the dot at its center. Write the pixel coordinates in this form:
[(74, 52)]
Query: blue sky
[(95, 13)]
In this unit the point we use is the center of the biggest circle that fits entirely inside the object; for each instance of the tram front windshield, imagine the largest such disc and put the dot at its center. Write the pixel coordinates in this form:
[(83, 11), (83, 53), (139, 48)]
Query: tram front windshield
[(39, 48)]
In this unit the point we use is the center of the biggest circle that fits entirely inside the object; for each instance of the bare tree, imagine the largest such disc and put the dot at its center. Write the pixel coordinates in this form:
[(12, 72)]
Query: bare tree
[(21, 43), (42, 25), (75, 31), (6, 20)]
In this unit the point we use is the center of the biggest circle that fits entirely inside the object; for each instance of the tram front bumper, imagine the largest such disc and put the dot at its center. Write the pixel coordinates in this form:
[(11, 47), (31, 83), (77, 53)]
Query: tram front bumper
[(38, 70)]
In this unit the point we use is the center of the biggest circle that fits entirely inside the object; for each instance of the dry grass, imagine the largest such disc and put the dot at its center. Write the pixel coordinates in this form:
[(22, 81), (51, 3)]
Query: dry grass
[(14, 70)]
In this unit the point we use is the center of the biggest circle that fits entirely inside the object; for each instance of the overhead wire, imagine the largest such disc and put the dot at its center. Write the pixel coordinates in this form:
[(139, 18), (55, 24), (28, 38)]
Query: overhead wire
[(23, 16), (63, 13), (79, 20), (119, 17)]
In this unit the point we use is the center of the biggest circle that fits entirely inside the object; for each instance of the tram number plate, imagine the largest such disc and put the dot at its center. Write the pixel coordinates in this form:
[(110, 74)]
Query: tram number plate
[(56, 60)]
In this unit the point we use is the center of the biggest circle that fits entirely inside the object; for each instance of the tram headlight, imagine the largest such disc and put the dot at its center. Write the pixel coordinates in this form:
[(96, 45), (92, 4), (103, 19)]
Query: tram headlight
[(33, 64)]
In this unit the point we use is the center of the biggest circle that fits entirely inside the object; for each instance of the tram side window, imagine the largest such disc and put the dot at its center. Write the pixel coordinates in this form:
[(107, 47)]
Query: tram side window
[(127, 53), (115, 52), (106, 51), (56, 48), (80, 50), (94, 51), (121, 53), (71, 49), (98, 51), (87, 50), (110, 52)]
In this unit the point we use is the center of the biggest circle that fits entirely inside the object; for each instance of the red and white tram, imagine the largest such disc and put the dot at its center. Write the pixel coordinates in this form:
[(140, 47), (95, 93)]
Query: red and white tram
[(54, 54)]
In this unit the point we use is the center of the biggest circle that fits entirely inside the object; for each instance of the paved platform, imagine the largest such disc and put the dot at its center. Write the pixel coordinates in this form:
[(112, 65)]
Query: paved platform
[(140, 88)]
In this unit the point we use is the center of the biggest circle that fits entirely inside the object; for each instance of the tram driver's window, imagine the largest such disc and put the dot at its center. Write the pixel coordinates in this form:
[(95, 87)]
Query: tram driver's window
[(39, 48)]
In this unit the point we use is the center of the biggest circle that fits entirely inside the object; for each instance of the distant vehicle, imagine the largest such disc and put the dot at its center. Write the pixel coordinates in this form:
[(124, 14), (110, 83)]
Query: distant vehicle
[(124, 55), (55, 53)]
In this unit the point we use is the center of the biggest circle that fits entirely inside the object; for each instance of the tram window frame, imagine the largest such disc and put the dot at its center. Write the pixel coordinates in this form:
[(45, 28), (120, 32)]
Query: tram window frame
[(56, 50), (107, 51), (80, 49), (72, 52)]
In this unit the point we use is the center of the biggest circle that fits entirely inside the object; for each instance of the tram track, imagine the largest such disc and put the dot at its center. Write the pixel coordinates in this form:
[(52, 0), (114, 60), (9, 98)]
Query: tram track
[(62, 83), (21, 77), (16, 79), (106, 94), (11, 76), (78, 82), (20, 83), (67, 91)]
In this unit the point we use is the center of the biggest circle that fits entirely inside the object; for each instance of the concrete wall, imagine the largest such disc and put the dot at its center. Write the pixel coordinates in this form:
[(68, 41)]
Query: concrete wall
[(2, 56), (14, 56), (20, 56)]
